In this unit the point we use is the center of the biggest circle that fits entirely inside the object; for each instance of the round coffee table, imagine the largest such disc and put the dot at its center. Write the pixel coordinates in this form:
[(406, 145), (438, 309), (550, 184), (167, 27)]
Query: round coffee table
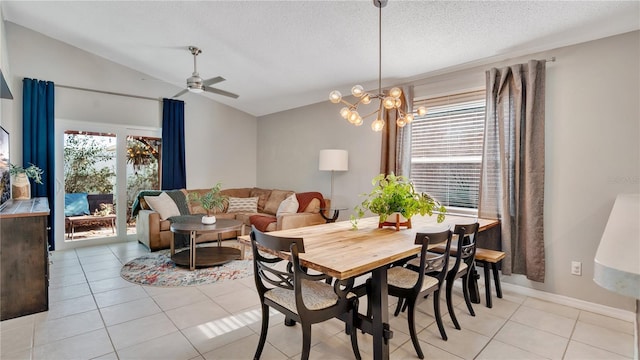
[(205, 256)]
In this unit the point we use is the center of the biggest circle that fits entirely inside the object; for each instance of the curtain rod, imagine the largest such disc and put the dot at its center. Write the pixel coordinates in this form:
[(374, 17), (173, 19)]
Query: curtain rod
[(108, 92)]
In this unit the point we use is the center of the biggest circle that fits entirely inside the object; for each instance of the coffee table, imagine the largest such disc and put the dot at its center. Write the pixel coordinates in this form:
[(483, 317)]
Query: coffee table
[(205, 256)]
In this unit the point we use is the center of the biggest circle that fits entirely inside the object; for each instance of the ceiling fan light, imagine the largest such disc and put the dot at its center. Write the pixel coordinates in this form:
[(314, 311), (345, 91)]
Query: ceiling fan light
[(196, 90)]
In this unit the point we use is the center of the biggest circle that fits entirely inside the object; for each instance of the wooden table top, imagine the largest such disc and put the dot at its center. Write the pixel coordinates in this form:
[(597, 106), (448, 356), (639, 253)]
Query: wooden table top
[(339, 251)]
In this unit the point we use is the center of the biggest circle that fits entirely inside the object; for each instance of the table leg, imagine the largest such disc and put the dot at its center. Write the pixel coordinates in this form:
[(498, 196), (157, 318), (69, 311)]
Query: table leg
[(192, 250), (242, 246), (380, 311)]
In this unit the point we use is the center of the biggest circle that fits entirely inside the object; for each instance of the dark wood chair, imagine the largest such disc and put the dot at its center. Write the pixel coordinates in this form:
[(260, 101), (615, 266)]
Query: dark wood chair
[(301, 297), (413, 285), (460, 263)]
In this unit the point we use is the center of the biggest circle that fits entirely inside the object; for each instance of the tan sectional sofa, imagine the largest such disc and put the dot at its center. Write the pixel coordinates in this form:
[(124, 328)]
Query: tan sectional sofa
[(155, 233)]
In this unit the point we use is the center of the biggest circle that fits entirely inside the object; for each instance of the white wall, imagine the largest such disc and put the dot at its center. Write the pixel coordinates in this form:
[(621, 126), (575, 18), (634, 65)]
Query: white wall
[(592, 152)]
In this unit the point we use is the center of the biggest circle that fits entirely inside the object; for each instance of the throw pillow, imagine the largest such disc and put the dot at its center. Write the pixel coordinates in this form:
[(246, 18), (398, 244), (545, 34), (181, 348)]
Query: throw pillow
[(288, 206), (262, 194), (76, 204), (243, 204), (274, 201), (163, 204)]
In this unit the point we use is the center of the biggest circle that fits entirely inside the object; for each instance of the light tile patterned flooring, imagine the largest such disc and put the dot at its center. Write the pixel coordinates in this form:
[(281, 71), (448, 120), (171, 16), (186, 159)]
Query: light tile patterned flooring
[(95, 314)]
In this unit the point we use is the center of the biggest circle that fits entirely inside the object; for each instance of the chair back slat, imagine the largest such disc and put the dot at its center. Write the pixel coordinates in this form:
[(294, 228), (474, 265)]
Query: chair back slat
[(466, 250), (432, 263)]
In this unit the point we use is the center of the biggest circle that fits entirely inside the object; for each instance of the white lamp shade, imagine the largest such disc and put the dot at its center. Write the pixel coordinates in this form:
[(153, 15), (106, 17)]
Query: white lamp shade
[(332, 159)]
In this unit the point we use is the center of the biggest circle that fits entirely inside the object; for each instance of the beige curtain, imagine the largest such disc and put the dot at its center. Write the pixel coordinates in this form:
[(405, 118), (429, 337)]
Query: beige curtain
[(512, 180), (395, 156)]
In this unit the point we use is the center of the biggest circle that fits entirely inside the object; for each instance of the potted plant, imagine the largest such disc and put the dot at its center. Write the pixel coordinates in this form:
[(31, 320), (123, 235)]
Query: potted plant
[(21, 187), (210, 201), (395, 195)]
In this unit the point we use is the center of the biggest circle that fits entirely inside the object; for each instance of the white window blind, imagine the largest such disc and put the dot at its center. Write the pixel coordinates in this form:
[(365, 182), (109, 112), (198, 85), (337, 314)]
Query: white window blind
[(446, 148)]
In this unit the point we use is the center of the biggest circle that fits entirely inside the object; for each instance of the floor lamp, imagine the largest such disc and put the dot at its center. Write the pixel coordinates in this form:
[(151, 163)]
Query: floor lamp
[(333, 160)]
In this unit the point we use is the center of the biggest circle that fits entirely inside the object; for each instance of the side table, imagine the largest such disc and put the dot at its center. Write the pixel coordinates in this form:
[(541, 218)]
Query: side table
[(206, 256), (334, 217)]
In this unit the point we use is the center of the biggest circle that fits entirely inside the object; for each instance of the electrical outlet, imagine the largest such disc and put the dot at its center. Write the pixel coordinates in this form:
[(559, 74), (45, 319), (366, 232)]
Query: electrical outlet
[(576, 268)]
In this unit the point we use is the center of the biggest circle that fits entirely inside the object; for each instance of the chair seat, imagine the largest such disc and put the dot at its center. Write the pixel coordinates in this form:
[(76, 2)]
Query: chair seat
[(416, 263), (404, 278), (316, 295)]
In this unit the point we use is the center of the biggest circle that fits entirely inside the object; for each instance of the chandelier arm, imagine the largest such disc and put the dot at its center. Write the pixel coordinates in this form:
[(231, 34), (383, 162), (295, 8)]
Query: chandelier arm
[(371, 113)]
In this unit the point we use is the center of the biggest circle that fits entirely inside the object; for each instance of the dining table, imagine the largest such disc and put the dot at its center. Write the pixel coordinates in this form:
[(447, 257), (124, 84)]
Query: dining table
[(343, 252)]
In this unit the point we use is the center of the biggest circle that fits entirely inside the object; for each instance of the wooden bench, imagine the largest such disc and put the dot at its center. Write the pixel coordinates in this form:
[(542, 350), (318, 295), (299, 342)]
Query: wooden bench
[(487, 258), (94, 201)]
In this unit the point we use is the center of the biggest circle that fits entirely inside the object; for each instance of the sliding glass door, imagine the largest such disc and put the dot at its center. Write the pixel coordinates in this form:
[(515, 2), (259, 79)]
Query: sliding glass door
[(99, 170)]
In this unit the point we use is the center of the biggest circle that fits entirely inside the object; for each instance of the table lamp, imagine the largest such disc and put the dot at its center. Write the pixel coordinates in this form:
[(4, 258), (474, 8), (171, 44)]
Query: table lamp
[(333, 160)]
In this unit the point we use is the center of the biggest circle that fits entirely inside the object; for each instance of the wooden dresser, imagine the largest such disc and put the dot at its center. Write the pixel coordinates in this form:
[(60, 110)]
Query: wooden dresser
[(24, 263)]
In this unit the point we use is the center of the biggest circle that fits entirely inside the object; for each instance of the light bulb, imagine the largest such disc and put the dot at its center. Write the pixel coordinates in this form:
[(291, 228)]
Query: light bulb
[(395, 92), (357, 91), (358, 122), (353, 117), (398, 103), (377, 125), (344, 112), (422, 110), (408, 118), (335, 96), (366, 99), (389, 102), (401, 122)]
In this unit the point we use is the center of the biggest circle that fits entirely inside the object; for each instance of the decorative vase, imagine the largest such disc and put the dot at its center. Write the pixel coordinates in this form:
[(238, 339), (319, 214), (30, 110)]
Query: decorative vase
[(396, 220), (208, 219), (21, 187)]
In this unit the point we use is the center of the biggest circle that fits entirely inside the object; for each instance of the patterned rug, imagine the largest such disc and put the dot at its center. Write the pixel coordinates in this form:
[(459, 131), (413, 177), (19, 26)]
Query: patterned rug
[(157, 269)]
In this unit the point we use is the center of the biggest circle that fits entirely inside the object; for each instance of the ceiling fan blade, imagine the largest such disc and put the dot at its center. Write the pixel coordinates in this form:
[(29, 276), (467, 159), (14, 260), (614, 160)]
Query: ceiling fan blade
[(220, 92), (180, 93), (212, 81)]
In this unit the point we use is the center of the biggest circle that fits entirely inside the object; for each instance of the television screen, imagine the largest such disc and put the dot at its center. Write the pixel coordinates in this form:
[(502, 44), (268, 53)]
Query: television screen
[(5, 178)]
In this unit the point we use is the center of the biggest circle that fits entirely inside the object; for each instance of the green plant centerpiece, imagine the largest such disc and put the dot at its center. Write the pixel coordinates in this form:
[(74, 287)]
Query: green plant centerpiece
[(393, 194), (211, 201)]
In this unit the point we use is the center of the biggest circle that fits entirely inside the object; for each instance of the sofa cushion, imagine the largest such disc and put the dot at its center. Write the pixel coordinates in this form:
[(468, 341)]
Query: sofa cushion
[(288, 205), (243, 204), (313, 207), (245, 218), (165, 225), (263, 196), (238, 192), (275, 199), (163, 204)]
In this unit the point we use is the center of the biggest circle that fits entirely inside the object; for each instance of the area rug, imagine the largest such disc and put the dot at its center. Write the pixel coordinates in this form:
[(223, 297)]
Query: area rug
[(157, 269)]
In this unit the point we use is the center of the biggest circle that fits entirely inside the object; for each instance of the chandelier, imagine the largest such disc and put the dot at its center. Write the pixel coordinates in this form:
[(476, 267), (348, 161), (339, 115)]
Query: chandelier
[(389, 101)]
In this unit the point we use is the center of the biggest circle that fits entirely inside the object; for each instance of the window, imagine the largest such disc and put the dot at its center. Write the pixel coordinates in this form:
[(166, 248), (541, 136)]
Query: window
[(446, 148)]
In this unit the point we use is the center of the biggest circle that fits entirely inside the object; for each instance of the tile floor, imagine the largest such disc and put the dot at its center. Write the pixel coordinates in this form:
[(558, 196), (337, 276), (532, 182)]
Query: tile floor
[(94, 314)]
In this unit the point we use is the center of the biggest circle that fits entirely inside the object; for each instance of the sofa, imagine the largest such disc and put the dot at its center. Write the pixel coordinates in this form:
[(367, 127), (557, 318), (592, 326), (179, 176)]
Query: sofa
[(252, 206)]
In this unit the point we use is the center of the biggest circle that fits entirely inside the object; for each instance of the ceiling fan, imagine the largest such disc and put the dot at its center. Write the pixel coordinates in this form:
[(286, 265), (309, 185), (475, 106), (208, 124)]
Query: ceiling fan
[(195, 83)]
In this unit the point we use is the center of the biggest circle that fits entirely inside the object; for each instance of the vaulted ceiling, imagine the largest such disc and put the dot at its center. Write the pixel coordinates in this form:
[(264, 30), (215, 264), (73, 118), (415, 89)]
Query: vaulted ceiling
[(279, 55)]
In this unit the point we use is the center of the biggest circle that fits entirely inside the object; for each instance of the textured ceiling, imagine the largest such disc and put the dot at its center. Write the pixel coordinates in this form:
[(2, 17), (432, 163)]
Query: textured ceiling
[(279, 55)]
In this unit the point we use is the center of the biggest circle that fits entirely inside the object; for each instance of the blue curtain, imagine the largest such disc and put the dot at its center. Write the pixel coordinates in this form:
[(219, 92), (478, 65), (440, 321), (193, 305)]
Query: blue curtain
[(38, 139), (174, 173)]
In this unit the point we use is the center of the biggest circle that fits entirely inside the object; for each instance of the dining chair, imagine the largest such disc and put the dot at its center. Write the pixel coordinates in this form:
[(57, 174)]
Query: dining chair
[(300, 296), (463, 255), (411, 286)]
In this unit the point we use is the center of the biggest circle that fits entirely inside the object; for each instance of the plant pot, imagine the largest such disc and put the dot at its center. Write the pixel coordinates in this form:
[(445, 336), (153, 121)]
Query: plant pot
[(208, 219), (396, 220), (21, 187)]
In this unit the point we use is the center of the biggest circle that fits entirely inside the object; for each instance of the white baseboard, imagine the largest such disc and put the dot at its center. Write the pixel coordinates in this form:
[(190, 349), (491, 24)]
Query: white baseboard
[(569, 301)]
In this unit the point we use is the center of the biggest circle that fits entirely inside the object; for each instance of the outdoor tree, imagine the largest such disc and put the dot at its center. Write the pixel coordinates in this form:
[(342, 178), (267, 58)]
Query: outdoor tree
[(88, 165)]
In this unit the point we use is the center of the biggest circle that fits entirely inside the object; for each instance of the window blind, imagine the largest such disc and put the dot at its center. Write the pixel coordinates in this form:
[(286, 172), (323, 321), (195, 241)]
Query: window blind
[(446, 148)]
